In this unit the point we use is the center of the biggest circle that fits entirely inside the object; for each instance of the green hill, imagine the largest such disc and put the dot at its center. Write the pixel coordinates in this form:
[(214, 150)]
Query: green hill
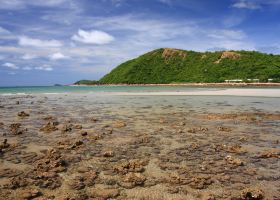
[(180, 66)]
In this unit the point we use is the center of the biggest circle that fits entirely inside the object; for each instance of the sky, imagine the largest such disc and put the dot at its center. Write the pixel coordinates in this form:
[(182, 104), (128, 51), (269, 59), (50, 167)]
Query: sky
[(46, 42)]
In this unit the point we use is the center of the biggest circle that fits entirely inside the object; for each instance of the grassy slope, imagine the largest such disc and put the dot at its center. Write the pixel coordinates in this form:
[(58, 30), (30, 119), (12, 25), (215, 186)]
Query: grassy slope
[(189, 66)]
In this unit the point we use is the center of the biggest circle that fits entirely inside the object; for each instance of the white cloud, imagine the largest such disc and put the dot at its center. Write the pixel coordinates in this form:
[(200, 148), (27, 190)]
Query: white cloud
[(117, 3), (227, 34), (10, 65), (21, 4), (28, 56), (27, 68), (44, 68), (92, 37), (3, 30), (58, 56), (6, 34), (27, 41), (168, 2), (246, 4)]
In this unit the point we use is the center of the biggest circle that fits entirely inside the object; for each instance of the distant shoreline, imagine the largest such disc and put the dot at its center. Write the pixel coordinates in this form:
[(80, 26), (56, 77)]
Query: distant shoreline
[(193, 84)]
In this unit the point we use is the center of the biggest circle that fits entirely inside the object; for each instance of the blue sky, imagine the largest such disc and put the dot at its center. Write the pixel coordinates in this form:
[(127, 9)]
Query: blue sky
[(43, 42)]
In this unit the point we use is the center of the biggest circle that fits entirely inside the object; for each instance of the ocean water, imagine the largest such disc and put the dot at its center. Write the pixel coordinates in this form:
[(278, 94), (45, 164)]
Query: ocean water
[(95, 89)]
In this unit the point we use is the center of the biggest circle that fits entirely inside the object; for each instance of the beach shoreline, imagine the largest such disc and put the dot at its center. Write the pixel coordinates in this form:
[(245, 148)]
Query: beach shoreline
[(265, 85), (225, 92), (238, 92)]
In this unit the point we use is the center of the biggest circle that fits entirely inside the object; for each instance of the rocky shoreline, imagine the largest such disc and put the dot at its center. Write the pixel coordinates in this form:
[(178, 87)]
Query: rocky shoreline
[(76, 147)]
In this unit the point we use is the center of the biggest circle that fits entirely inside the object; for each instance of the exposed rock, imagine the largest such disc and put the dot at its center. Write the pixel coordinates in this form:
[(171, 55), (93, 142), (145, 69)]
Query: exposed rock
[(75, 196), (84, 133), (93, 119), (50, 183), (103, 194), (131, 180), (252, 194), (208, 196), (169, 53), (4, 144), (23, 114), (224, 129), (175, 179), (78, 126), (16, 129), (89, 178), (119, 124), (173, 190), (77, 144), (203, 56), (135, 165), (68, 144), (228, 54), (234, 161), (201, 182), (108, 154), (30, 194), (49, 118), (7, 172), (16, 182), (77, 183), (67, 128), (52, 162), (50, 127), (273, 153), (198, 129)]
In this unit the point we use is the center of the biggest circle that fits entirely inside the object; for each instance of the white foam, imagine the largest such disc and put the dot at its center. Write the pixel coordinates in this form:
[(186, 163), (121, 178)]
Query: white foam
[(11, 94)]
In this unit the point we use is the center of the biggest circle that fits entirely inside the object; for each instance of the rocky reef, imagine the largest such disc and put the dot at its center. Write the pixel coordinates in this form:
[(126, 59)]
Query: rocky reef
[(68, 147)]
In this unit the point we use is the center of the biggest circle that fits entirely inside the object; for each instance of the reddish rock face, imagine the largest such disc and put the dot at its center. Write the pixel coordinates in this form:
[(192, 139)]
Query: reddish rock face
[(228, 54), (169, 53)]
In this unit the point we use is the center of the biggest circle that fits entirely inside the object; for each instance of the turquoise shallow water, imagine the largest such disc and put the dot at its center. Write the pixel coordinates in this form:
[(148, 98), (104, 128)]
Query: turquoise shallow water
[(94, 89)]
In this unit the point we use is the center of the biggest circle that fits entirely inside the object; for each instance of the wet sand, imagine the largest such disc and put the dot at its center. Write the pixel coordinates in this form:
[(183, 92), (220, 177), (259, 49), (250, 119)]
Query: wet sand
[(87, 146), (224, 92)]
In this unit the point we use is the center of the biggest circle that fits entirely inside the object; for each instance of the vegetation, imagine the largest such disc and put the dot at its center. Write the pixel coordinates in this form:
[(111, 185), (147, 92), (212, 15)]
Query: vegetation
[(180, 66), (86, 82)]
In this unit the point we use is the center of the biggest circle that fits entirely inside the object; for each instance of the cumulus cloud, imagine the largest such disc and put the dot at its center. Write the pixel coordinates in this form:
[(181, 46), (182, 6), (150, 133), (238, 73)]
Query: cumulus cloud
[(27, 68), (27, 41), (10, 65), (93, 37), (3, 30), (44, 68), (227, 34), (58, 56), (246, 4), (28, 56), (20, 4), (168, 2)]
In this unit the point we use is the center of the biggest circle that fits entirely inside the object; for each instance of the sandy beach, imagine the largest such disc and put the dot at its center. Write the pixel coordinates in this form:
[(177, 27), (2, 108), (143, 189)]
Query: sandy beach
[(224, 92)]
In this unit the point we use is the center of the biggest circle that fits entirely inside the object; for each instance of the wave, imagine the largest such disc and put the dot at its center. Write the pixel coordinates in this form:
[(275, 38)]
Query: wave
[(11, 94)]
